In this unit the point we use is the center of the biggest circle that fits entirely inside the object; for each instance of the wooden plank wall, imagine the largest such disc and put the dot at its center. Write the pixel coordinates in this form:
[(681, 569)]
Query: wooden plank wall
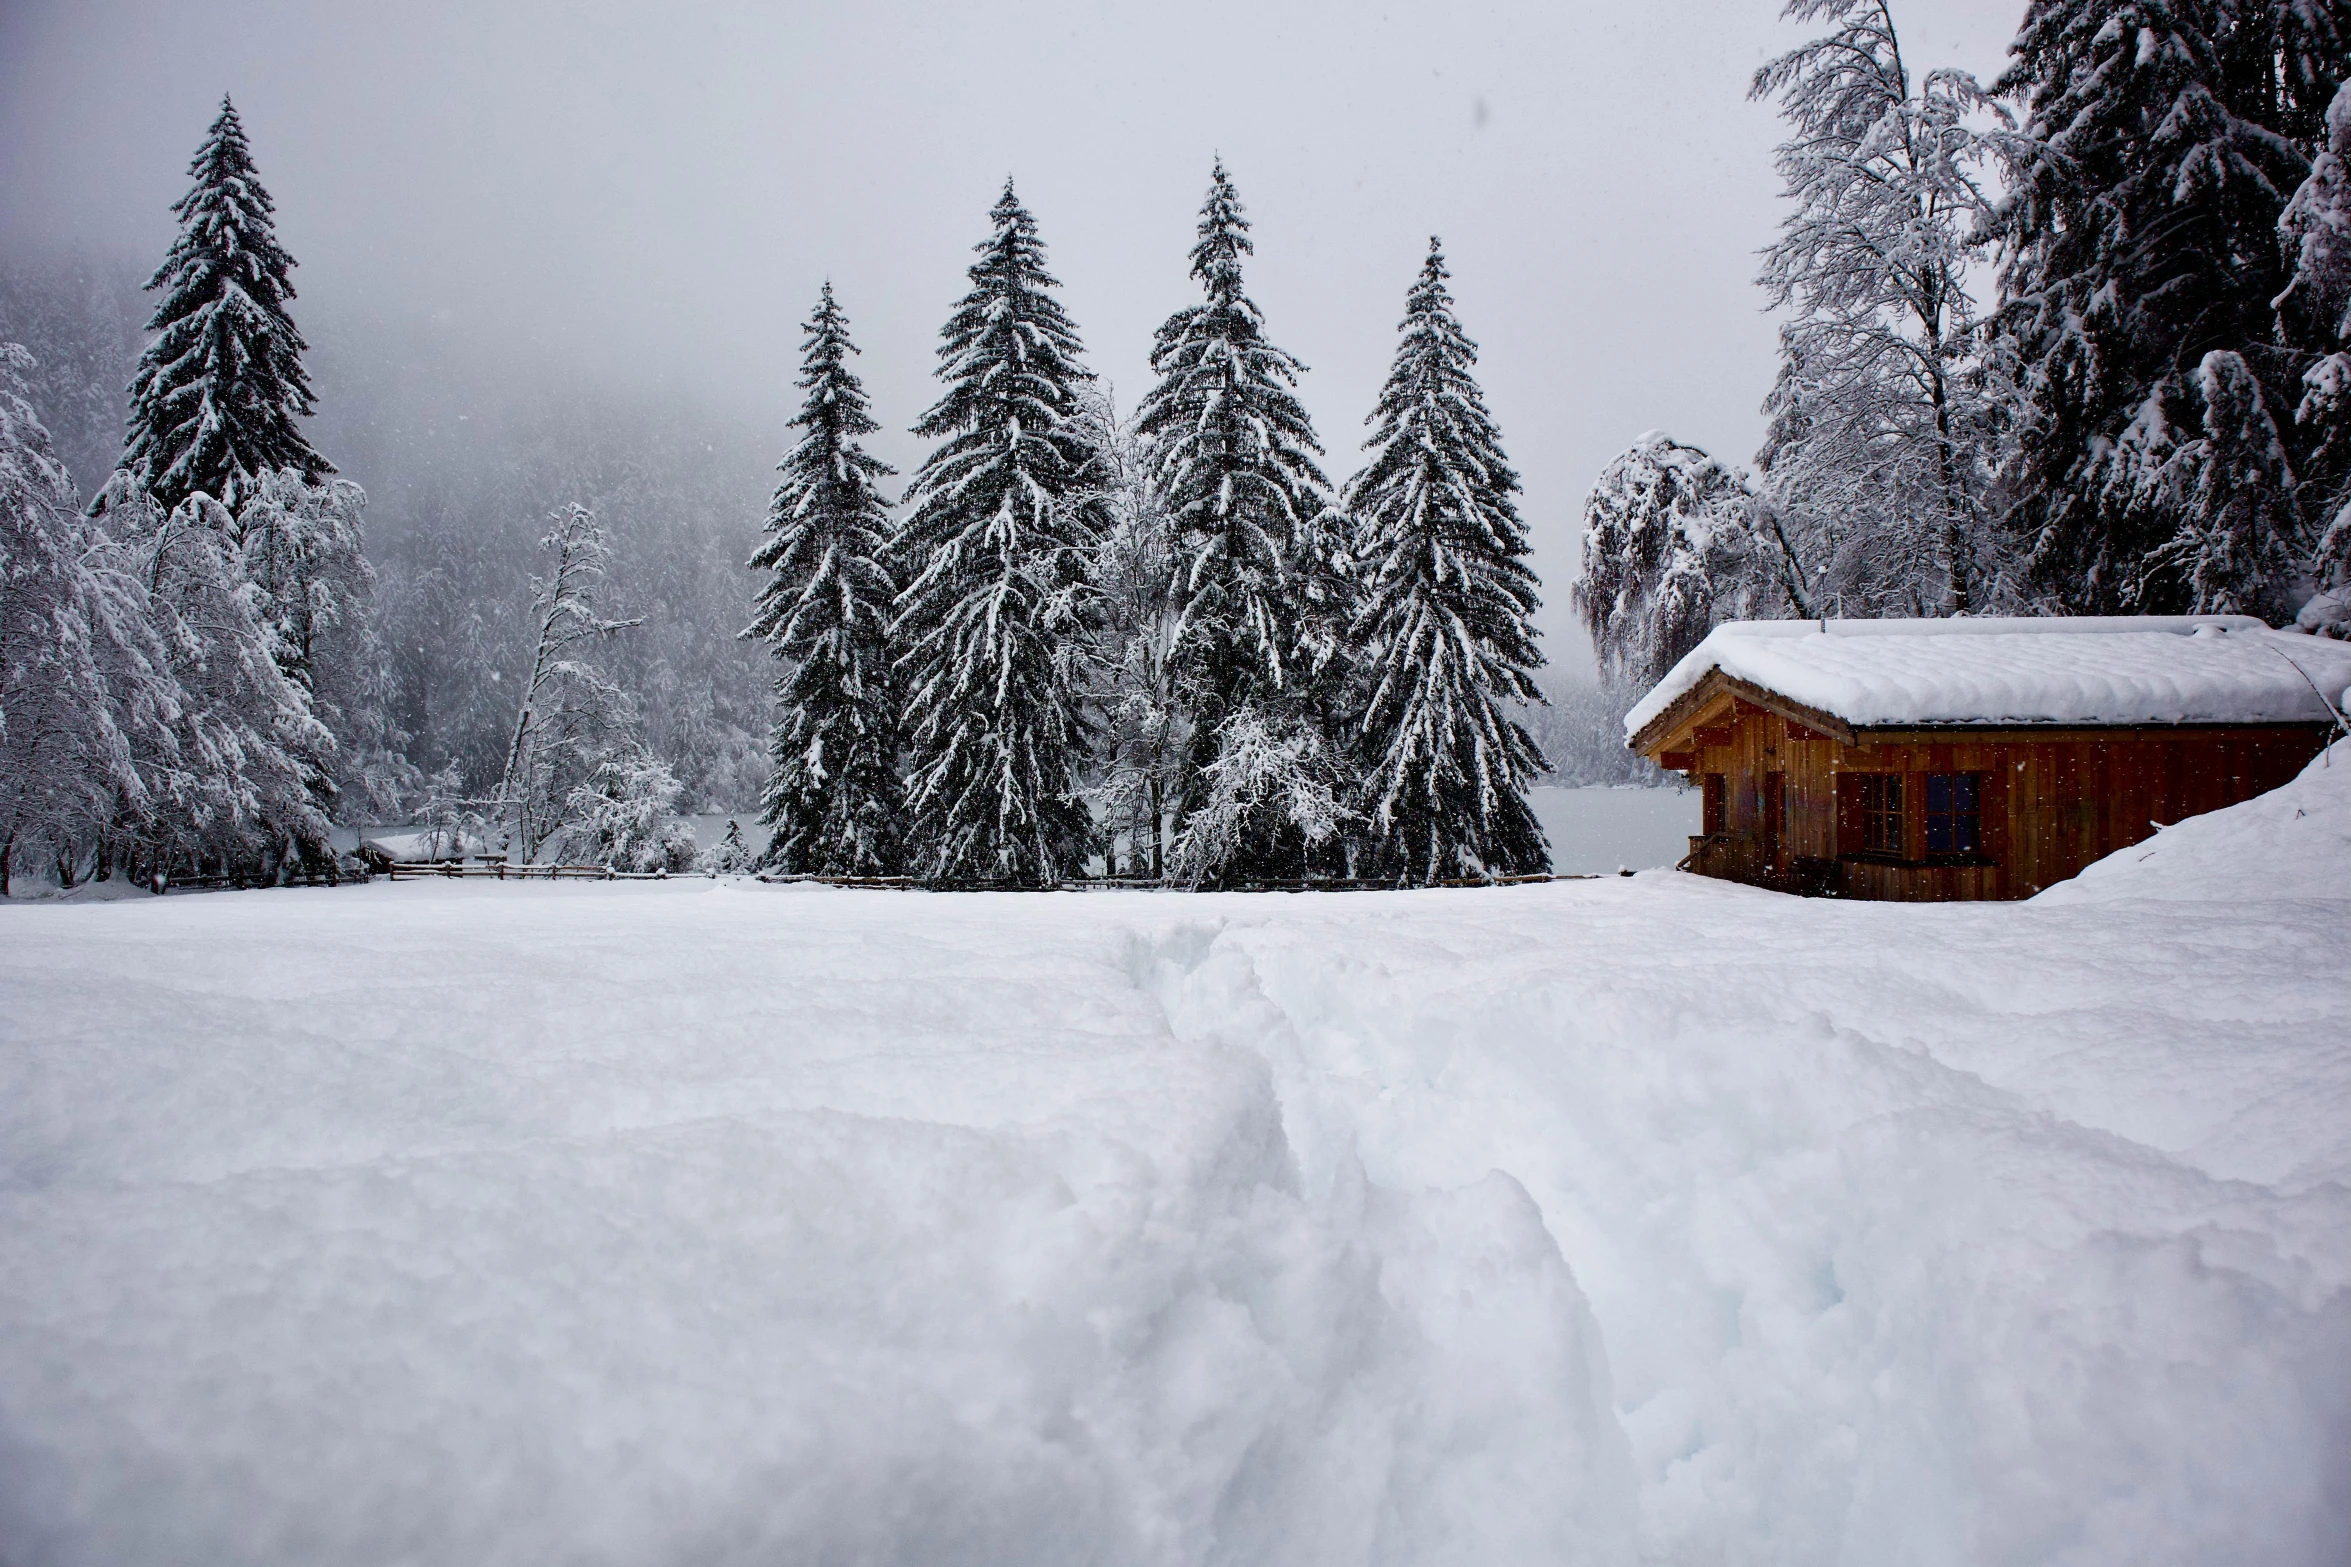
[(2051, 803)]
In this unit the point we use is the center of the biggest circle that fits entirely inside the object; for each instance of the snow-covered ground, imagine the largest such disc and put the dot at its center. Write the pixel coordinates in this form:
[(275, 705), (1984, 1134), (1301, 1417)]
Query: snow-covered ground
[(1630, 1220)]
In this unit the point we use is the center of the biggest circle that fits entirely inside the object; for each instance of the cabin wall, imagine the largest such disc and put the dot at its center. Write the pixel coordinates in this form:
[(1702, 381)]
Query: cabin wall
[(2050, 805)]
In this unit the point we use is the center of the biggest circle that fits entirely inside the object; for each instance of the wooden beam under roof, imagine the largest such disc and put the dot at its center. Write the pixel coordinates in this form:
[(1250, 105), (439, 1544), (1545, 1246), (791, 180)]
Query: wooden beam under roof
[(1695, 705)]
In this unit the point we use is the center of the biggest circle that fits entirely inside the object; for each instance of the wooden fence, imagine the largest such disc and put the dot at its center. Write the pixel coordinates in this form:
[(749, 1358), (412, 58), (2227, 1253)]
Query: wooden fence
[(499, 870)]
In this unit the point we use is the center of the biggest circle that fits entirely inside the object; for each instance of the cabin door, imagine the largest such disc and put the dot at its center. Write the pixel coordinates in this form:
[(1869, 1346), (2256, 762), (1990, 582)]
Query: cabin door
[(1775, 816)]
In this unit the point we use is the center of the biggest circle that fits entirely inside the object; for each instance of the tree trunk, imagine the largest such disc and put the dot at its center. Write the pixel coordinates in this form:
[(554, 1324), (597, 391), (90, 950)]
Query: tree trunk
[(1954, 530)]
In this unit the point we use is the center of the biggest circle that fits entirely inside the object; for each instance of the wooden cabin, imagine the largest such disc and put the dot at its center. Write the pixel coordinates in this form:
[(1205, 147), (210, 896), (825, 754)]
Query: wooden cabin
[(1947, 759)]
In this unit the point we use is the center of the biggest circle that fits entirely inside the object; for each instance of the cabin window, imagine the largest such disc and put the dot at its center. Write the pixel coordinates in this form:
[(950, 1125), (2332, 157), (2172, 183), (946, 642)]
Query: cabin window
[(1718, 805), (1955, 821), (1881, 813)]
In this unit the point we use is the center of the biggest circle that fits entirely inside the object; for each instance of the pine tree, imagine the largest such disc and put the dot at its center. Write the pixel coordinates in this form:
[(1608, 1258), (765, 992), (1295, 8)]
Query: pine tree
[(1880, 451), (1446, 623), (219, 393), (835, 800), (1233, 467), (1003, 517), (2139, 236), (2231, 489)]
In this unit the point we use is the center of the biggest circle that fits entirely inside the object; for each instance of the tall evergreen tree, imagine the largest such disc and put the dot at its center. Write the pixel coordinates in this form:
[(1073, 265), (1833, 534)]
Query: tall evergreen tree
[(2162, 140), (1232, 458), (835, 802), (1446, 621), (1003, 517), (220, 392)]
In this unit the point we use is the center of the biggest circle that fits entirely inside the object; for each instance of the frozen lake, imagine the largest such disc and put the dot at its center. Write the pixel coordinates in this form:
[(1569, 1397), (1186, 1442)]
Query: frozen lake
[(1598, 830)]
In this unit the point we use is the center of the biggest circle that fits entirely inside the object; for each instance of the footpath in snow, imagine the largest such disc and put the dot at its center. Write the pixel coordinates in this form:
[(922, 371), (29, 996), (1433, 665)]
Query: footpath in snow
[(1649, 1220)]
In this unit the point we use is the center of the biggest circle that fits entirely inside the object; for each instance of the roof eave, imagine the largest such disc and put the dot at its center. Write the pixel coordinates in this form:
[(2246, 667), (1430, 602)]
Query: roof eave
[(1653, 736)]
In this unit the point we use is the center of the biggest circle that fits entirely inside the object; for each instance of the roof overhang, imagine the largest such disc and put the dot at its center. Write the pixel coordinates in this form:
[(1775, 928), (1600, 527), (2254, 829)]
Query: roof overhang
[(1717, 696), (1704, 703)]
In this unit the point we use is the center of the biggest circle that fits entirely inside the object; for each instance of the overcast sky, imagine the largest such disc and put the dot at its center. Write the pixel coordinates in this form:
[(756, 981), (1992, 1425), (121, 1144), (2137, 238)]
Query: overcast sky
[(649, 196)]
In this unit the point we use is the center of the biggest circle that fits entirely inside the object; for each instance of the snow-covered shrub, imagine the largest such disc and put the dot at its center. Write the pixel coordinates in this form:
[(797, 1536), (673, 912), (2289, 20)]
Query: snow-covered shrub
[(1270, 781), (622, 816), (730, 856)]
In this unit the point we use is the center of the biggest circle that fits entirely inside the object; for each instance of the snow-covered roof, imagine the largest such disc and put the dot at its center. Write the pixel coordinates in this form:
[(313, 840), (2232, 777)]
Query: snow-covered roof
[(2137, 669)]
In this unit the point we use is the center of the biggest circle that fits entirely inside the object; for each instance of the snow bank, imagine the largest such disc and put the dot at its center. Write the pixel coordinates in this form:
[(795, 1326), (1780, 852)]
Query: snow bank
[(2086, 670), (1651, 1219), (484, 1229)]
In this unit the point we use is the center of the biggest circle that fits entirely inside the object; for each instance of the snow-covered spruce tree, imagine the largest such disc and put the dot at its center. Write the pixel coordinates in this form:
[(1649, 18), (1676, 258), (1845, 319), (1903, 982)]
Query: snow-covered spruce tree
[(2230, 493), (2139, 235), (1445, 627), (570, 716), (1263, 574), (219, 394), (1675, 543), (82, 676), (2314, 317), (1880, 452), (835, 801), (1002, 520)]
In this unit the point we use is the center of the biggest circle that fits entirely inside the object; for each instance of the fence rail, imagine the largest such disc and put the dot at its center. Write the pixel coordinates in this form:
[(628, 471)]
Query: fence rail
[(498, 870)]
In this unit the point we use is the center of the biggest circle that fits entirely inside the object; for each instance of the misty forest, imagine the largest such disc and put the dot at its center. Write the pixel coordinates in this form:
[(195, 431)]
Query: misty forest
[(2076, 340)]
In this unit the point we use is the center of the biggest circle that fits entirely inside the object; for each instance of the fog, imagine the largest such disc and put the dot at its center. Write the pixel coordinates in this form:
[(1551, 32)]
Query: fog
[(528, 202)]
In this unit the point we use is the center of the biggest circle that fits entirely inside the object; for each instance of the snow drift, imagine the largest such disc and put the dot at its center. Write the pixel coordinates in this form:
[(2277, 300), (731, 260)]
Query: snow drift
[(1636, 1220)]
